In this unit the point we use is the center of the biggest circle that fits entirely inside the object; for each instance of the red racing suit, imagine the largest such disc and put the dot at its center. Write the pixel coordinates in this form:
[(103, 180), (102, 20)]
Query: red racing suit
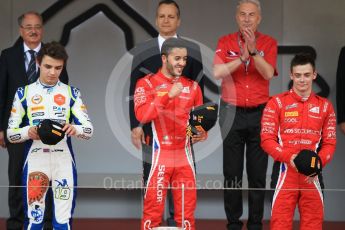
[(290, 124), (172, 160)]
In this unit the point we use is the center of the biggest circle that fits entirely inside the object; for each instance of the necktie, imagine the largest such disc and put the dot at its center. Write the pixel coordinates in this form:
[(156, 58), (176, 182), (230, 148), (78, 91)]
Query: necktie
[(31, 72)]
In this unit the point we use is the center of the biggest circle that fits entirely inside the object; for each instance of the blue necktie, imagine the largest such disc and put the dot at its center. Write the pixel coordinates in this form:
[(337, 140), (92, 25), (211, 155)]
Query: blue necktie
[(31, 72)]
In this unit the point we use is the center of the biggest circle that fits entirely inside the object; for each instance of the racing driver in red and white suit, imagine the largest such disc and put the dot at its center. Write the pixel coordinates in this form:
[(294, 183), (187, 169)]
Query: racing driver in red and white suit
[(166, 98), (293, 121)]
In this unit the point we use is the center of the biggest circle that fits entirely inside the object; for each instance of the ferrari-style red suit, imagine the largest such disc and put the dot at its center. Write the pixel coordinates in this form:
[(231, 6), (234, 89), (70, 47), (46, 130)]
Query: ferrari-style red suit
[(289, 124), (172, 161)]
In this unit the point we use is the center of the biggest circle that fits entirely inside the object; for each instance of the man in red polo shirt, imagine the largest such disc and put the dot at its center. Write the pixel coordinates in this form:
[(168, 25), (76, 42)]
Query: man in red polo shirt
[(245, 61)]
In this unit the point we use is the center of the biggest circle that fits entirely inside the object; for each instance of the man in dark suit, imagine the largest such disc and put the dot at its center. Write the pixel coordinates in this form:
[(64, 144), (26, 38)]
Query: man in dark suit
[(18, 68), (340, 83), (147, 59)]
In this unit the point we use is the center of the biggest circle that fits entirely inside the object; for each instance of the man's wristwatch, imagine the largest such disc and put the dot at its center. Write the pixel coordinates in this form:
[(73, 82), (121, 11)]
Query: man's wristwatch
[(253, 53)]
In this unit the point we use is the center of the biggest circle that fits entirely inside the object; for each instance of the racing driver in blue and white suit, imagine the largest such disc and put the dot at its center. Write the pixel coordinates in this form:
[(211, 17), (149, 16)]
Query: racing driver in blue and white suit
[(48, 98)]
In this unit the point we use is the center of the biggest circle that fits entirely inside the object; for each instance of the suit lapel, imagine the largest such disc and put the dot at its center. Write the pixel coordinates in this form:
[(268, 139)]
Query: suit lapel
[(157, 56), (20, 59)]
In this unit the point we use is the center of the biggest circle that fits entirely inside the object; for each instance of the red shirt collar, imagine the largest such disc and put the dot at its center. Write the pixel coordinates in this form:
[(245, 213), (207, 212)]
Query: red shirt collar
[(161, 75), (299, 98)]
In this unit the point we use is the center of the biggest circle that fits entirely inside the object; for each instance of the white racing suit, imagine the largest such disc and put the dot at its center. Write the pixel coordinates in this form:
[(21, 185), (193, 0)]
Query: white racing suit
[(48, 164)]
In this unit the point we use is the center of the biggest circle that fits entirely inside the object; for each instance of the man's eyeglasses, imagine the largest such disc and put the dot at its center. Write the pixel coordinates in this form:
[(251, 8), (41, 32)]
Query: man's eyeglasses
[(30, 28)]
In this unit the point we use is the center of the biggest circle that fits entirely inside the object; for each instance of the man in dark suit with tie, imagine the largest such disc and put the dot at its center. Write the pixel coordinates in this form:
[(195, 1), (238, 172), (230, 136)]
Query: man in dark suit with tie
[(340, 83), (18, 68), (147, 59)]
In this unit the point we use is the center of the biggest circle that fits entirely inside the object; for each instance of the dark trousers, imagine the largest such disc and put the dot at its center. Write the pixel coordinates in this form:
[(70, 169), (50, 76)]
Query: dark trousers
[(147, 158), (240, 128), (15, 201), (15, 193)]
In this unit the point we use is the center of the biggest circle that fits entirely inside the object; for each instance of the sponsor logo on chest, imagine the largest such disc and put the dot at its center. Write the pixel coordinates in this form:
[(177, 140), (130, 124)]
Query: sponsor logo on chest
[(315, 110), (59, 99), (294, 105), (290, 120), (36, 99), (186, 89), (291, 114), (59, 111)]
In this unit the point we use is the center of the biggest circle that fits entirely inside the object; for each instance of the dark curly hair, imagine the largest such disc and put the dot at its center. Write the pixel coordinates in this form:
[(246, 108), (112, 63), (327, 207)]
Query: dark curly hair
[(302, 59), (54, 50)]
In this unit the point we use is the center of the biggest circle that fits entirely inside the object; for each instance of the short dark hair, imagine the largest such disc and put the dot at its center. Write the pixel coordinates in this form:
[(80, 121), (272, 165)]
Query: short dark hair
[(172, 43), (21, 17), (302, 59), (169, 2), (54, 50)]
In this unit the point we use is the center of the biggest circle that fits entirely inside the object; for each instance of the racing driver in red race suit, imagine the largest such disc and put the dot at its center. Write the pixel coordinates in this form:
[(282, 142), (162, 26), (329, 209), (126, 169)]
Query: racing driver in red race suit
[(293, 121), (166, 98)]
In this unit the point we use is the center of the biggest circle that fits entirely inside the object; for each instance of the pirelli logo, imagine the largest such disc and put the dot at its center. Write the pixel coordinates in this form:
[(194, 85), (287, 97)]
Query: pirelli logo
[(312, 163), (57, 133), (161, 94), (37, 108), (291, 114)]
